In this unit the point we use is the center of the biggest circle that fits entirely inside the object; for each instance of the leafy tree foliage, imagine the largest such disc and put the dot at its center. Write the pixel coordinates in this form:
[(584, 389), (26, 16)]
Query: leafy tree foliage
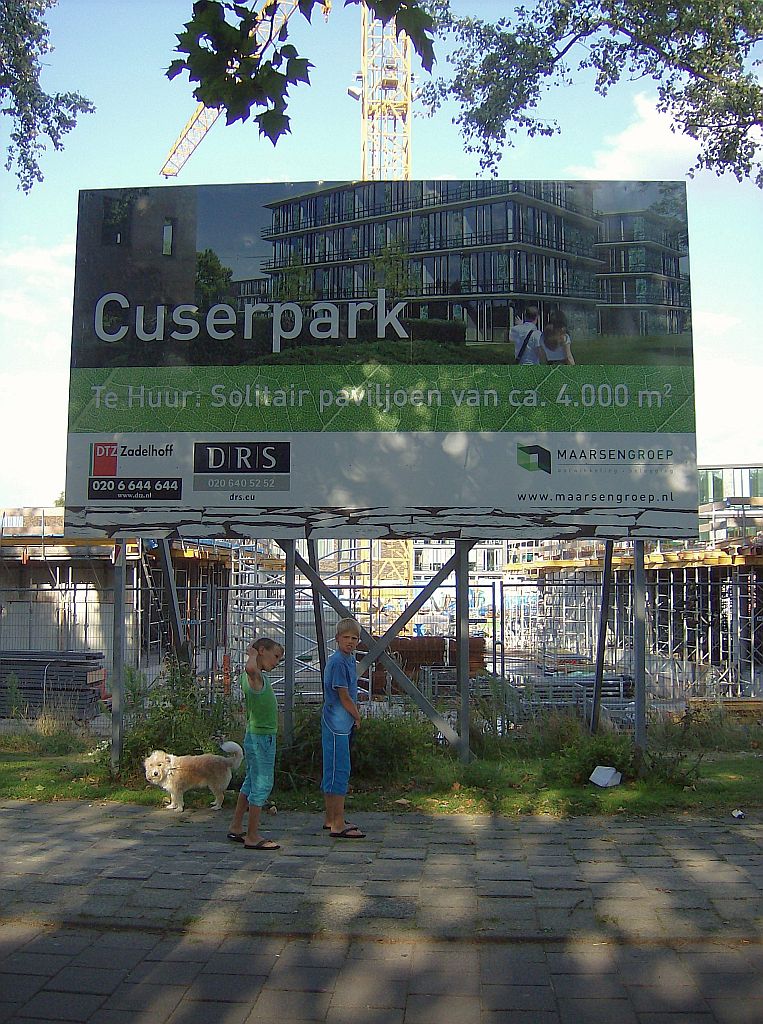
[(702, 56), (35, 115), (213, 279), (241, 57)]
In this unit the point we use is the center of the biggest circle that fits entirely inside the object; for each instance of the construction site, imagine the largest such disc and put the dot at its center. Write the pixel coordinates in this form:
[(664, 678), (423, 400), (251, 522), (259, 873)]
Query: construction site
[(540, 629), (533, 624)]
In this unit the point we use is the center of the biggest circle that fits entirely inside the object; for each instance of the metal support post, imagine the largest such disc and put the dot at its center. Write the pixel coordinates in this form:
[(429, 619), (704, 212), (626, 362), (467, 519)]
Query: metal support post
[(179, 643), (639, 643), (462, 644), (289, 548), (312, 557), (118, 655), (601, 643), (389, 663)]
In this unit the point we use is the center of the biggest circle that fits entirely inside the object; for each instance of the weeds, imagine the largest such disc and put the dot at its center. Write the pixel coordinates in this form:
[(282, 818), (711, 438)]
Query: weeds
[(385, 748), (174, 713)]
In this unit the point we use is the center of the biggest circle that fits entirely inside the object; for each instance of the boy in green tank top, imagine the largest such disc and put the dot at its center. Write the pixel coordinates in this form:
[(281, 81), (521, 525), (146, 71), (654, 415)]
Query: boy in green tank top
[(259, 743)]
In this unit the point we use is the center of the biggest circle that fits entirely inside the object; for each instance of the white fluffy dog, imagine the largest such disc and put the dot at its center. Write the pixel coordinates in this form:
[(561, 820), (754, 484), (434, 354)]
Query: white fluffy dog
[(177, 774)]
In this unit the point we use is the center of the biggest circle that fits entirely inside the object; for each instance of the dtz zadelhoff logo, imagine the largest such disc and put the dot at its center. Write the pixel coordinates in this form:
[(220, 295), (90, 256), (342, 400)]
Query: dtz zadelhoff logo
[(533, 458), (242, 457)]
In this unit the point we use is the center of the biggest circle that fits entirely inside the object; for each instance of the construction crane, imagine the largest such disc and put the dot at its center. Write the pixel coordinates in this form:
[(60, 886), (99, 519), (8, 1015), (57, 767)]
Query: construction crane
[(384, 89), (386, 95)]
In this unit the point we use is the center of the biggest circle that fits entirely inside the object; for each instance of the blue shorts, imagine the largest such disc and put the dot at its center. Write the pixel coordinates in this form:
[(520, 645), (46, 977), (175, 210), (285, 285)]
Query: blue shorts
[(336, 761), (260, 752)]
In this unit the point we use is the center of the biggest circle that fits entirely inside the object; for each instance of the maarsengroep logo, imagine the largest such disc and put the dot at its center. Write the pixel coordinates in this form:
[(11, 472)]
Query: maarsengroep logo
[(533, 458)]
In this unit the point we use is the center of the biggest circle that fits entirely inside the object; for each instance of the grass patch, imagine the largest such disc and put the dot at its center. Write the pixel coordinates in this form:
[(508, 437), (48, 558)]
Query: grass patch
[(701, 762), (441, 785)]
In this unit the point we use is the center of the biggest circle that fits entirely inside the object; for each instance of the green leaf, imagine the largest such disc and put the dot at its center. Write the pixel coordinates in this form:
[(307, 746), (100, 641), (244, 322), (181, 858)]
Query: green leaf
[(298, 70), (273, 124)]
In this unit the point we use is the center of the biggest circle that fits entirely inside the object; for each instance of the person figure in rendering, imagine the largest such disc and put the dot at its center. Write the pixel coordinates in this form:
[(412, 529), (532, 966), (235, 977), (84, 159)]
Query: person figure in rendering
[(526, 338), (340, 718), (555, 341)]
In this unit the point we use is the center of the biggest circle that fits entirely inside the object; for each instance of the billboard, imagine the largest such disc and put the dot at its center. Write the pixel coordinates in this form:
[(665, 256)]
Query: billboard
[(468, 359)]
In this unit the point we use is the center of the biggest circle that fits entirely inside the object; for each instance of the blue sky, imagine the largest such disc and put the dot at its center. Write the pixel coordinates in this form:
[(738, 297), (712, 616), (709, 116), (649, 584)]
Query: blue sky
[(115, 52)]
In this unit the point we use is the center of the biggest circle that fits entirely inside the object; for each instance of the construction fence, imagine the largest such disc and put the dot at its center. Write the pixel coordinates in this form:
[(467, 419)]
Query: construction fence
[(535, 638)]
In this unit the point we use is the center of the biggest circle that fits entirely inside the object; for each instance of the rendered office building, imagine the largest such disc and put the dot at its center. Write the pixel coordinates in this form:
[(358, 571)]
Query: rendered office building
[(478, 252)]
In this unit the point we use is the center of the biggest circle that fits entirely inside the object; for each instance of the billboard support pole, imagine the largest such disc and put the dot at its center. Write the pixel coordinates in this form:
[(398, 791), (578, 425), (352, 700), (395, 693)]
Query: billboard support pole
[(463, 548), (376, 646), (118, 655), (179, 644), (312, 556), (606, 592), (639, 644), (289, 548)]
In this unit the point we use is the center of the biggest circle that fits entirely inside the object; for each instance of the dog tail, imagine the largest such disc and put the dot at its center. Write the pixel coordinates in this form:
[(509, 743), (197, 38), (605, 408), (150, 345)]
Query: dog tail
[(233, 751)]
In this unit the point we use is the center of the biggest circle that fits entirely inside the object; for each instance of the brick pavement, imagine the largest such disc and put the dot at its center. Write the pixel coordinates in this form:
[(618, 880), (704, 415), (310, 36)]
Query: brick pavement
[(123, 913)]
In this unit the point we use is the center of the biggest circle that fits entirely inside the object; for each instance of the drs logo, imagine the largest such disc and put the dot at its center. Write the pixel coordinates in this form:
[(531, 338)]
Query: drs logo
[(103, 460)]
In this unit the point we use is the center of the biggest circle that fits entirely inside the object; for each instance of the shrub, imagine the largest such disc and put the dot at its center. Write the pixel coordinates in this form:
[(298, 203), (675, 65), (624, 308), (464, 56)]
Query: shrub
[(383, 748), (704, 729), (175, 713), (549, 733), (575, 762), (390, 747)]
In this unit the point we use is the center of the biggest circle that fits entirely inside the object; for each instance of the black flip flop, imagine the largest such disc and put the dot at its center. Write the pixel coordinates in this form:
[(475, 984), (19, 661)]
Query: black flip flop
[(236, 837), (346, 833), (327, 828), (264, 844)]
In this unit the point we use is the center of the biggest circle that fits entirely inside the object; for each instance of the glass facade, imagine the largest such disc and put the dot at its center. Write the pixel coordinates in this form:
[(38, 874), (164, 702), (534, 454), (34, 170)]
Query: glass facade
[(497, 244), (500, 244)]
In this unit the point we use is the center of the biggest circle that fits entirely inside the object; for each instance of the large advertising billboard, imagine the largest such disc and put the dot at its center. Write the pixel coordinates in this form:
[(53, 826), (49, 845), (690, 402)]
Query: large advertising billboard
[(468, 359)]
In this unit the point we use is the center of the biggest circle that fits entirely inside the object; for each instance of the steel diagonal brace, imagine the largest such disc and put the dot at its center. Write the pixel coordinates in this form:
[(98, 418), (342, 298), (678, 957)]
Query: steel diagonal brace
[(389, 663)]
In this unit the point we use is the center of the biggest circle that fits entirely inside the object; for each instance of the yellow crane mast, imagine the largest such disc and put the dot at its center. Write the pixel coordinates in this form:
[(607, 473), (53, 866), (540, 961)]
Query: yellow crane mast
[(386, 97)]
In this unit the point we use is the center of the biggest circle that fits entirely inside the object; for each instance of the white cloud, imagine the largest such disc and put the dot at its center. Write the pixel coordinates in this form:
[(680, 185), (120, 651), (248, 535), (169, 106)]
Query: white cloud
[(726, 376), (646, 149), (35, 336), (34, 410), (36, 285)]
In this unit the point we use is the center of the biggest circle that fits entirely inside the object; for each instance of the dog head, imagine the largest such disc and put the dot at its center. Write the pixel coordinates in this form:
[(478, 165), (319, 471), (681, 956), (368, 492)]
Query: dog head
[(157, 766)]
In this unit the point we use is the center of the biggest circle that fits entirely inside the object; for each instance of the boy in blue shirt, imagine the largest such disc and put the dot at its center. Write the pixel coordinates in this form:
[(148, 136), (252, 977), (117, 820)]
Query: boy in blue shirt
[(339, 719)]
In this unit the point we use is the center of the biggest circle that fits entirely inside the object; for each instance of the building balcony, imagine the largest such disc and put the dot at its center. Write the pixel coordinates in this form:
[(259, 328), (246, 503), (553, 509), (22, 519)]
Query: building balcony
[(469, 192), (442, 247), (645, 235)]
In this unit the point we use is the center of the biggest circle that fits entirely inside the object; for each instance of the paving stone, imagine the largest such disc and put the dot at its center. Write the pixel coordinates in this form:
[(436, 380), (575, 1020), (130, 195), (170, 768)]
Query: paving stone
[(584, 986), (672, 1018), (159, 999), (225, 988), (520, 1017), (674, 999), (61, 1006), (370, 1015), (427, 1009), (94, 980), (157, 972), (316, 953), (18, 988), (733, 1011), (290, 1006), (445, 982), (22, 962), (597, 1011), (518, 997), (363, 989), (67, 942), (191, 1011), (297, 977)]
